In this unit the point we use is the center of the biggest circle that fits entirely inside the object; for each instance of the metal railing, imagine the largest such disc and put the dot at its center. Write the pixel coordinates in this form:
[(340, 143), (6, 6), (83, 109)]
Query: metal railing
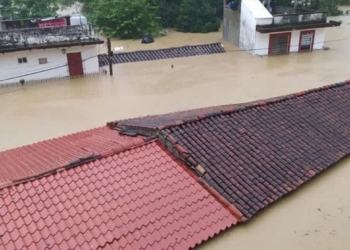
[(36, 37), (317, 17)]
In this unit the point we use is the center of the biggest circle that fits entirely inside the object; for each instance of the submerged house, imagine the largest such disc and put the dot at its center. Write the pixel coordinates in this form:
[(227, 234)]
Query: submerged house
[(266, 28), (39, 49)]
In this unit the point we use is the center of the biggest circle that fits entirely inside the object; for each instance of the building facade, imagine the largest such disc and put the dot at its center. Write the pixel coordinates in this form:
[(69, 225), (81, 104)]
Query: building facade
[(254, 28), (54, 48)]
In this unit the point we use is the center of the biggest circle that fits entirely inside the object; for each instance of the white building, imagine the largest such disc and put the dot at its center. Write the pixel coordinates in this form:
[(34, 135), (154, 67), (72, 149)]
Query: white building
[(254, 28), (46, 49)]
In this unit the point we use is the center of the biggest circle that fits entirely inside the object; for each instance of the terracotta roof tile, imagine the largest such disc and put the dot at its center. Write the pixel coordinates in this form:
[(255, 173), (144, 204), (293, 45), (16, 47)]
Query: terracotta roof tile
[(93, 206), (147, 125), (51, 154), (152, 55), (256, 154)]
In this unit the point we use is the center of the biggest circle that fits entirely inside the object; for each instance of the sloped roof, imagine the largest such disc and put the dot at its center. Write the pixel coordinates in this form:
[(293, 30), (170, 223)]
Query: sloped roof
[(161, 54), (142, 198), (44, 156), (154, 122), (255, 153)]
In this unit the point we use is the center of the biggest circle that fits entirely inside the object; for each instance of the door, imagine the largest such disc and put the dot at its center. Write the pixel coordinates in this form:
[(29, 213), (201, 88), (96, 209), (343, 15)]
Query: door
[(306, 42), (279, 43), (75, 64)]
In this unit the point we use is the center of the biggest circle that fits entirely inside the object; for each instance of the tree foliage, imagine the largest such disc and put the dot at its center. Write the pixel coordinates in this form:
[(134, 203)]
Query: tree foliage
[(168, 11), (331, 6), (126, 19), (22, 9), (133, 18), (197, 16)]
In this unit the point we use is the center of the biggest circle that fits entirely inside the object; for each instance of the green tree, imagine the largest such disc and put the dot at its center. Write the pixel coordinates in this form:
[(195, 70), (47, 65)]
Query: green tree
[(126, 19), (22, 9), (197, 16), (218, 6), (168, 11)]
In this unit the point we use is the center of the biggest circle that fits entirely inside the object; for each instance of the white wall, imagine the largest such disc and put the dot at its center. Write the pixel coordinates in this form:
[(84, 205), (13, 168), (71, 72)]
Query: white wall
[(319, 38), (248, 25), (262, 41), (253, 13), (11, 71)]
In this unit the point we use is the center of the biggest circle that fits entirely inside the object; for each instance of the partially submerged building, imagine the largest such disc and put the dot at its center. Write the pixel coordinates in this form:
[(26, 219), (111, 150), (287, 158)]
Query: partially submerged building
[(169, 181), (48, 48), (274, 29)]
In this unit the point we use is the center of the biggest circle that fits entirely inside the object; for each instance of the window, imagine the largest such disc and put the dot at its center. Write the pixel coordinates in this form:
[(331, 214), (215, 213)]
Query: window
[(306, 41), (22, 60), (42, 60)]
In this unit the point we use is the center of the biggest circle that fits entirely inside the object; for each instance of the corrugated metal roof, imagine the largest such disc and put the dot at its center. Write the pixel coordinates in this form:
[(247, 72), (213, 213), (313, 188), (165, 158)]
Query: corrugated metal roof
[(160, 54)]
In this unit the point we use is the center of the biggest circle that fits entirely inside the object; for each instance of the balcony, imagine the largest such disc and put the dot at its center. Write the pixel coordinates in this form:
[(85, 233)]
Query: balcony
[(48, 37), (284, 20), (290, 19)]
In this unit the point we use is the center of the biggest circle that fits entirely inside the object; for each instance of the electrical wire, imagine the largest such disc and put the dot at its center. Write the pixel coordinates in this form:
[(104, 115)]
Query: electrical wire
[(45, 70), (230, 51), (26, 73), (50, 62)]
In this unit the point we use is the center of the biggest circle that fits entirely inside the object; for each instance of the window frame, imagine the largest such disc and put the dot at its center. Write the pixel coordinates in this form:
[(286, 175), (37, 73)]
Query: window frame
[(45, 60)]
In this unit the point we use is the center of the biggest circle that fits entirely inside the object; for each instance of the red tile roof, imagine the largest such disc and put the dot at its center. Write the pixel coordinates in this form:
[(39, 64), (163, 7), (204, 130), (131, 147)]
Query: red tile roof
[(52, 154), (255, 154), (142, 198)]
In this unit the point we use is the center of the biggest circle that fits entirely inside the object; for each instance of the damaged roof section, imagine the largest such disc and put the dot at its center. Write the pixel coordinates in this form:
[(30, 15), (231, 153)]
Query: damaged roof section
[(142, 198), (28, 161), (148, 125)]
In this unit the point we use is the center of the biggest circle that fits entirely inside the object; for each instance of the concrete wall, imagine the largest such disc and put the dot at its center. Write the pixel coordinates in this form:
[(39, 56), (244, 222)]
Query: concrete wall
[(262, 41), (319, 38), (231, 26), (247, 30), (11, 71)]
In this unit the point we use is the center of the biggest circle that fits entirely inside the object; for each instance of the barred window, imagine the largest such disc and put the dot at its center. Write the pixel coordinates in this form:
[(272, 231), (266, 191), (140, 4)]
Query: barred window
[(42, 60)]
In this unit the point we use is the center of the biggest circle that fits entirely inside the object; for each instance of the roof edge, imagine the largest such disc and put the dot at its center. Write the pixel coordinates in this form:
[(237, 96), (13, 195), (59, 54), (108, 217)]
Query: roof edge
[(230, 207), (261, 103), (52, 46)]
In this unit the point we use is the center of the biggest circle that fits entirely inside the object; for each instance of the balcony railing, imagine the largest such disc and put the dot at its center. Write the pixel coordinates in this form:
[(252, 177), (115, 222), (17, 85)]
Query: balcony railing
[(43, 37), (303, 18)]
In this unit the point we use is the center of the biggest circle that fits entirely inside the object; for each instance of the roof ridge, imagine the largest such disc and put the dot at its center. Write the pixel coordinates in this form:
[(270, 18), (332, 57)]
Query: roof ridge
[(74, 164), (231, 208), (262, 103)]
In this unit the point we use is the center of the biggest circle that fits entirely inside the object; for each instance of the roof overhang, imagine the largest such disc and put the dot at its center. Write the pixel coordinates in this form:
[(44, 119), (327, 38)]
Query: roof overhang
[(49, 46), (299, 26)]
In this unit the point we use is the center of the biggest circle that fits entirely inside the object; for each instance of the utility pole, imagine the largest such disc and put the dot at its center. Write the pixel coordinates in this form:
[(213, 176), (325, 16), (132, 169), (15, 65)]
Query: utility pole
[(110, 54)]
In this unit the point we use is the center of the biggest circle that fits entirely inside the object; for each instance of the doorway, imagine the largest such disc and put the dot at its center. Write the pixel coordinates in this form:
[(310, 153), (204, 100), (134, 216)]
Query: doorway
[(75, 64), (279, 43)]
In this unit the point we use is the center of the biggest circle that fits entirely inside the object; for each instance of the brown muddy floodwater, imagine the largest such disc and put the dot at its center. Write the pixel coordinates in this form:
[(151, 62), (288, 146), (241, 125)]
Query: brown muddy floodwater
[(316, 217)]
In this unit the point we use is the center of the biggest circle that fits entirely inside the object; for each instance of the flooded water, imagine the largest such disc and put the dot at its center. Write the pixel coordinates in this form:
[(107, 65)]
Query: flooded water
[(317, 217)]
